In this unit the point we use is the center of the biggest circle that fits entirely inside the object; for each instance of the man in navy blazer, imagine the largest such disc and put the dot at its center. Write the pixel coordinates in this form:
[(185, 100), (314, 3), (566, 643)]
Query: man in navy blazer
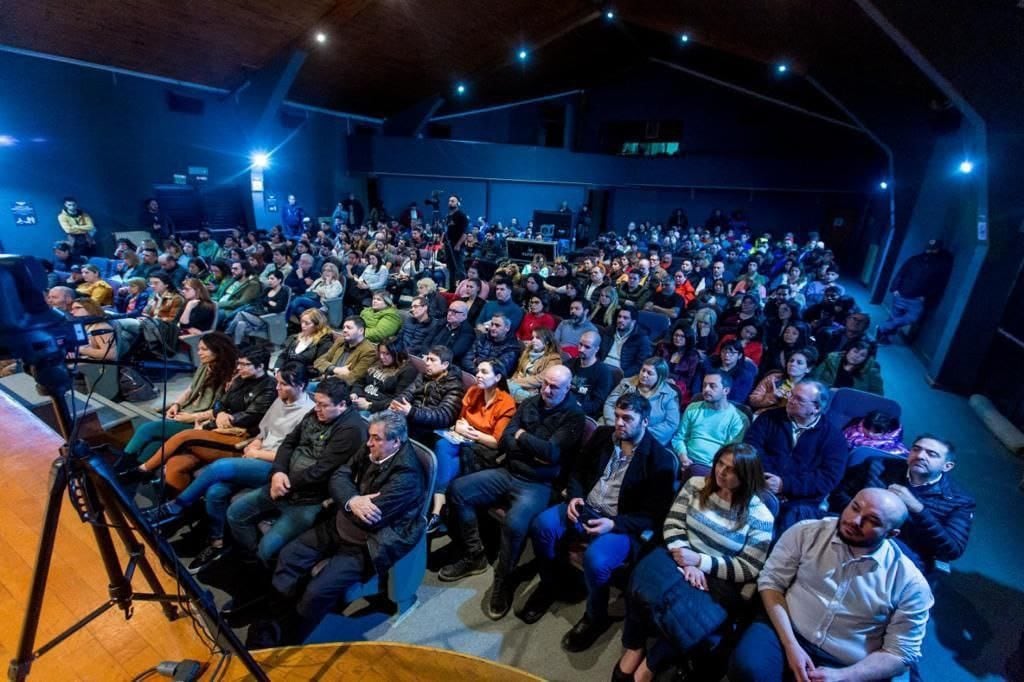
[(622, 485), (802, 452)]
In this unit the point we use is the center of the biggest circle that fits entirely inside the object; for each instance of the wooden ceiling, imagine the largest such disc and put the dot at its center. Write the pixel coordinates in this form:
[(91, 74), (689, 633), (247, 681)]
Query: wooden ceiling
[(385, 55)]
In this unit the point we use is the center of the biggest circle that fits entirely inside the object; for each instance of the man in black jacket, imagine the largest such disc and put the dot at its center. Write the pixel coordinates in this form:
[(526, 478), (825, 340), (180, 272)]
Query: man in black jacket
[(418, 332), (379, 496), (434, 399), (627, 346), (457, 333), (622, 485), (918, 284), (544, 435), (592, 380), (941, 513), (325, 439)]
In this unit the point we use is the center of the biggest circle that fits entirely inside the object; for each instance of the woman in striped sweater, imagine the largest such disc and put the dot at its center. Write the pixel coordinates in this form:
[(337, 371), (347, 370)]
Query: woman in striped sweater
[(717, 535)]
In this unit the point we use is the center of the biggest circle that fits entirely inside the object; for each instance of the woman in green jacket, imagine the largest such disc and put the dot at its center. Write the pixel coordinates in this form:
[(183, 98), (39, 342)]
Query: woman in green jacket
[(853, 367), (381, 318)]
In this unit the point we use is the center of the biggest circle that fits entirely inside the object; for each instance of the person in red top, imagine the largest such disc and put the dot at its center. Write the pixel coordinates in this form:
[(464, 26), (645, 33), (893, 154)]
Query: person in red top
[(684, 288), (536, 317), (750, 337), (472, 444)]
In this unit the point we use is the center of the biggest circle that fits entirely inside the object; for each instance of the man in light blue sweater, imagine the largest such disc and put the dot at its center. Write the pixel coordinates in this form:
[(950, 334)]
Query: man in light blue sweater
[(709, 424)]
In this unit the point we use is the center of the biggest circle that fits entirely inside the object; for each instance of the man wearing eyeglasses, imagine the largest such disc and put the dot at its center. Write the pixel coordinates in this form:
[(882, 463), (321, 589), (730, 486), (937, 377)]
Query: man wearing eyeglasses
[(802, 452), (456, 332), (418, 331)]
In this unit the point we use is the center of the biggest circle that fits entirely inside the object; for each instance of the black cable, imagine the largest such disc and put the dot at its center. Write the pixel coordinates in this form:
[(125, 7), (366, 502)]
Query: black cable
[(148, 672)]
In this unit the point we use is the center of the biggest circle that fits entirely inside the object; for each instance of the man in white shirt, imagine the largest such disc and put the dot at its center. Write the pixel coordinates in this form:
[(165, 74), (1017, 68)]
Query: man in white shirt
[(843, 601)]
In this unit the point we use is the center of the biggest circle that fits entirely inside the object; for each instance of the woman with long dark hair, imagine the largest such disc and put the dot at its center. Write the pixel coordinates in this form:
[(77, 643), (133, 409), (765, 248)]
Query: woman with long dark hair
[(217, 360), (472, 444), (683, 359), (794, 335), (856, 366), (776, 386), (386, 379), (717, 535)]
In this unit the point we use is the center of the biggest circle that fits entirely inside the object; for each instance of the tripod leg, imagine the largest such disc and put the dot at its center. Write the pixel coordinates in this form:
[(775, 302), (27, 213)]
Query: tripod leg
[(19, 667), (135, 548)]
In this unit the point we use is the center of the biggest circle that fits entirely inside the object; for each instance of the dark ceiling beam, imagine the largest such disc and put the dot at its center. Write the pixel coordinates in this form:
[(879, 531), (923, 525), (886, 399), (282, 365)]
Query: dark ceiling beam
[(267, 89), (412, 121), (757, 95)]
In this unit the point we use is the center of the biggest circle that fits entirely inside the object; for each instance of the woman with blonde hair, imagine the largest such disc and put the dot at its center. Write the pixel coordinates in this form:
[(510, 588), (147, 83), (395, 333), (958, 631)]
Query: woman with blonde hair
[(102, 338), (328, 285), (313, 340), (653, 383), (541, 352), (94, 287)]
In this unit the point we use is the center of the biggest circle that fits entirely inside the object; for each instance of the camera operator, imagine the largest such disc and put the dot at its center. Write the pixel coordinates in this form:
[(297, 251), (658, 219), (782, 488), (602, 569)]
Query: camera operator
[(457, 227)]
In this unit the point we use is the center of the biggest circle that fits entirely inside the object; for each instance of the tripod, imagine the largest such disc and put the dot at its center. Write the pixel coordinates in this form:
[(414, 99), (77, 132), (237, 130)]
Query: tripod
[(101, 502)]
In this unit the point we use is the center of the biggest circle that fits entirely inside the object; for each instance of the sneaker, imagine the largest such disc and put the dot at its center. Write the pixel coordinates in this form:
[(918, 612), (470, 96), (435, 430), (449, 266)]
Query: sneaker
[(435, 525), (499, 603), (164, 514), (209, 556), (463, 568)]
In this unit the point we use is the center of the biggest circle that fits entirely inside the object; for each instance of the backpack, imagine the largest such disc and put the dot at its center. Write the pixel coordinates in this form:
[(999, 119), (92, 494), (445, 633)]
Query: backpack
[(134, 387)]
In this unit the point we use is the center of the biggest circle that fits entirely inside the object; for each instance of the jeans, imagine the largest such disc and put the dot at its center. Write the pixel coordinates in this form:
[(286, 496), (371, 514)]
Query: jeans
[(244, 324), (301, 304), (347, 565), (759, 656), (904, 311), (526, 499), (218, 482), (290, 520), (447, 454), (148, 438), (603, 555)]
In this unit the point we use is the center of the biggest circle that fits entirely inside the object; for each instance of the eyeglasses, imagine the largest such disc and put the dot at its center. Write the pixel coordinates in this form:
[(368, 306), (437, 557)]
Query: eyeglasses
[(244, 363)]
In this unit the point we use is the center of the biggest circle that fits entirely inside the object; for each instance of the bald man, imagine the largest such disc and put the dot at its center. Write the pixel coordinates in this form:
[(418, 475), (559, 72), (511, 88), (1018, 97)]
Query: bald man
[(542, 437), (842, 599), (60, 298)]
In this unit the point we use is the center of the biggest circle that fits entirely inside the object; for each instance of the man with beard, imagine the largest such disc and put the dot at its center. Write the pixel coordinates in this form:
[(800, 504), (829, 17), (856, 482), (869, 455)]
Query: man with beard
[(78, 225), (941, 512), (456, 229), (628, 346), (621, 485), (497, 341), (843, 601), (572, 328)]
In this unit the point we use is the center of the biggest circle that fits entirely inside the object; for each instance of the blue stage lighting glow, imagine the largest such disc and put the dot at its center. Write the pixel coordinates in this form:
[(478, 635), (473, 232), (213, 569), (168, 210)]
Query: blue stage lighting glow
[(782, 68), (260, 160), (685, 38), (966, 166), (883, 185), (609, 15), (461, 89), (522, 55), (8, 141)]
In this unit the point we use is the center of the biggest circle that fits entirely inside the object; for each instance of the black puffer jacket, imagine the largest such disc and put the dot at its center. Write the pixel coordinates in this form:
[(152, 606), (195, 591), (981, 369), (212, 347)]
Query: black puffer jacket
[(314, 450), (436, 403), (381, 385), (551, 438), (247, 400)]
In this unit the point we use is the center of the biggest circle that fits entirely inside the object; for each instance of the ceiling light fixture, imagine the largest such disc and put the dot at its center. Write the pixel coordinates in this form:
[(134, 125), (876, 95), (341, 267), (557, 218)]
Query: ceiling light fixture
[(966, 167), (321, 37), (260, 160), (685, 38)]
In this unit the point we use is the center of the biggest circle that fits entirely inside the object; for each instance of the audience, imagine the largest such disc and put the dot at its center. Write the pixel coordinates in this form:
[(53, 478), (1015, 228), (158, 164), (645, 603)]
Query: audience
[(708, 282)]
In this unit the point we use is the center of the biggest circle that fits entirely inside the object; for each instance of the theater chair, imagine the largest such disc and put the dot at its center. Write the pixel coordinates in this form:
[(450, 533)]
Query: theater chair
[(655, 323), (848, 404), (192, 340), (276, 331), (403, 579), (335, 308)]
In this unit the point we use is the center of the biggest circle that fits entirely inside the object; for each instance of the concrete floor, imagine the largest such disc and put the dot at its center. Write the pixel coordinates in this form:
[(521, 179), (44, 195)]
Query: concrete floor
[(976, 623)]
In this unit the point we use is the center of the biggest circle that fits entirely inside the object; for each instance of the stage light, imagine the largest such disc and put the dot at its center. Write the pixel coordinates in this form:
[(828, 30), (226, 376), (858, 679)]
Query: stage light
[(321, 37), (8, 141), (260, 160), (460, 89), (522, 55), (966, 166), (685, 38), (883, 185), (609, 15), (781, 68)]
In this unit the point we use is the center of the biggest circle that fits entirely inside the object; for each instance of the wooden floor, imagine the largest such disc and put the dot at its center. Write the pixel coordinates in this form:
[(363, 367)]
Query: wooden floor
[(110, 648)]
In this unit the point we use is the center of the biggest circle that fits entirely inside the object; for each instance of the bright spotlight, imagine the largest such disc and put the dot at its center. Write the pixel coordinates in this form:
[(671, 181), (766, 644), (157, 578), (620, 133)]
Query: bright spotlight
[(321, 37), (685, 38), (260, 160), (609, 15), (461, 89), (8, 141), (522, 55), (782, 68), (883, 185), (966, 166)]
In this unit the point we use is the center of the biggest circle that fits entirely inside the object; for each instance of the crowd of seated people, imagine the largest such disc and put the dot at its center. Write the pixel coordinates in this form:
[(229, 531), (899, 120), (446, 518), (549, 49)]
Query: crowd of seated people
[(696, 365)]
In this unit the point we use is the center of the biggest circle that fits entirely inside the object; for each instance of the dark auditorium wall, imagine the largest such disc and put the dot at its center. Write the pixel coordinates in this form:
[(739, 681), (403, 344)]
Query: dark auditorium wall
[(108, 138)]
